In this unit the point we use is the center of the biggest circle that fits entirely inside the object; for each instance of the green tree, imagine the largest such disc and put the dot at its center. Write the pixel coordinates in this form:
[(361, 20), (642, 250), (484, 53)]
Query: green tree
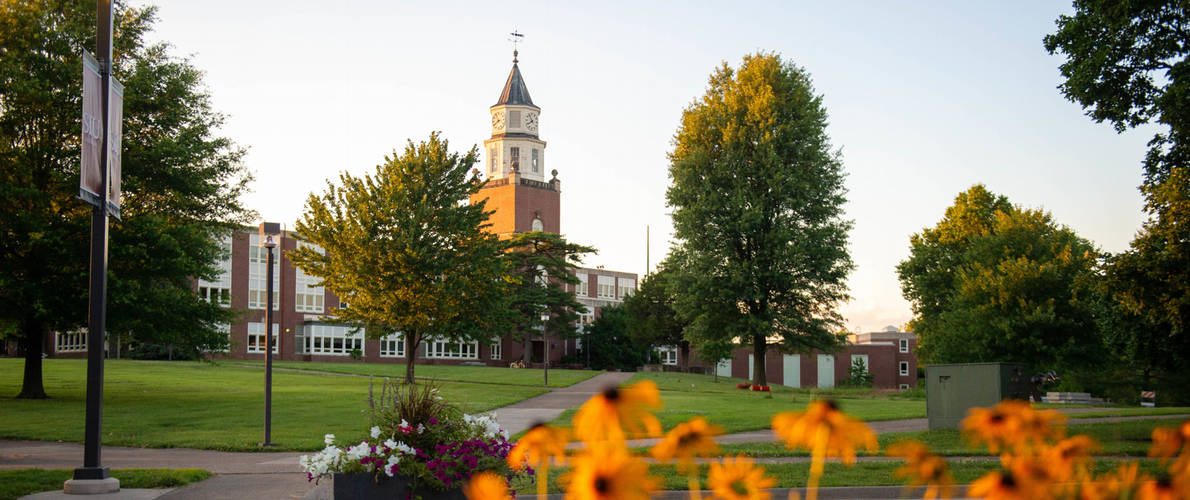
[(407, 251), (181, 185), (652, 319), (542, 265), (757, 199), (995, 282), (609, 342)]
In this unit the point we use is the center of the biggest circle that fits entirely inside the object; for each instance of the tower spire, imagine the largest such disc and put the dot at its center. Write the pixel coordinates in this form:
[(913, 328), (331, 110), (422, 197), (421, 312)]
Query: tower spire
[(516, 38)]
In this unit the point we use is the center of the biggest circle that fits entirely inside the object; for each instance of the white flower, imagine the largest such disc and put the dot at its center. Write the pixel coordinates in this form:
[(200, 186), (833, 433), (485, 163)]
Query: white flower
[(375, 432), (388, 466), (404, 423), (421, 428), (359, 451), (328, 439)]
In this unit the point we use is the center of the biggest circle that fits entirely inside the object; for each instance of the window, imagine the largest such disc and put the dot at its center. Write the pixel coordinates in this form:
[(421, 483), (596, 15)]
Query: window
[(226, 328), (497, 349), (71, 342), (537, 225), (256, 338), (452, 350), (258, 275), (585, 320), (669, 355), (514, 156), (335, 340), (491, 159), (392, 346), (607, 287), (904, 345), (219, 290), (627, 286), (904, 386), (308, 294), (581, 291), (535, 160), (904, 368), (514, 119)]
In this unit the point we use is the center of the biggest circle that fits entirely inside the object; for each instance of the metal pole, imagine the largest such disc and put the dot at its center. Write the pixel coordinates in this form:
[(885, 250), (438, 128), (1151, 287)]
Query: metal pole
[(268, 353), (93, 433), (547, 355)]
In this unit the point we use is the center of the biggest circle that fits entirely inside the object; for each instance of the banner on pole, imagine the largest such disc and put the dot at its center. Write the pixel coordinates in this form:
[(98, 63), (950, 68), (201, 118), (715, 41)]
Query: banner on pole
[(91, 175), (115, 115)]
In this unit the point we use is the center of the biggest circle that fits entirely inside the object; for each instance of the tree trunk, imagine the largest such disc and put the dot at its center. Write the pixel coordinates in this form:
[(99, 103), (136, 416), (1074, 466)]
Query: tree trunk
[(760, 346), (33, 386), (685, 356), (411, 342)]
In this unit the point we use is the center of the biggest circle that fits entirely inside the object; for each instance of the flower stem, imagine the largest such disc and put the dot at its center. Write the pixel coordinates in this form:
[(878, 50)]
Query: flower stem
[(818, 461), (543, 482), (694, 487)]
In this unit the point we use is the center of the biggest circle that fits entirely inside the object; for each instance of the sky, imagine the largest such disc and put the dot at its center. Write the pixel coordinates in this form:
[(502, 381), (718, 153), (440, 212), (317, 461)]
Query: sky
[(925, 100)]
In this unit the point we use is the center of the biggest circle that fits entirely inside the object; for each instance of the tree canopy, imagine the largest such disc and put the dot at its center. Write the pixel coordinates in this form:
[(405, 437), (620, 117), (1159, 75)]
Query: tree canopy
[(609, 343), (757, 199), (652, 319), (996, 282), (181, 185), (406, 250), (542, 264)]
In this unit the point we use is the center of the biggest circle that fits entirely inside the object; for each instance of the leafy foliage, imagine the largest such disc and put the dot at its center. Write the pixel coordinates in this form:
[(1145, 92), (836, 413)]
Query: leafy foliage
[(757, 200), (609, 342), (406, 251), (858, 375), (652, 320), (995, 282), (181, 185), (542, 265)]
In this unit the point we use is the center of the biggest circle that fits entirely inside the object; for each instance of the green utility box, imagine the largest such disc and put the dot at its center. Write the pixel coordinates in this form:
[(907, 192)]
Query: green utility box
[(953, 389)]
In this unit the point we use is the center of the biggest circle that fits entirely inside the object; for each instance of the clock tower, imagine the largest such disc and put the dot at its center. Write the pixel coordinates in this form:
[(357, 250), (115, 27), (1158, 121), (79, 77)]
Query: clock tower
[(517, 187)]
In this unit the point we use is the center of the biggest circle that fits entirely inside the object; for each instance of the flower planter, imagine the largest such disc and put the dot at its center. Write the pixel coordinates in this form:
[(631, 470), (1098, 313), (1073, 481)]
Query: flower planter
[(364, 486)]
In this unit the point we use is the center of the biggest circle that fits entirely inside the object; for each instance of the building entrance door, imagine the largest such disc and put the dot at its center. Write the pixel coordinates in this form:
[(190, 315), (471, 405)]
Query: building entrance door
[(538, 351), (826, 371)]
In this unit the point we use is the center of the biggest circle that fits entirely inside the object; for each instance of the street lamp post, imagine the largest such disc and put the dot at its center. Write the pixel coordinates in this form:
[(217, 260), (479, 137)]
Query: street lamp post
[(267, 231), (545, 316)]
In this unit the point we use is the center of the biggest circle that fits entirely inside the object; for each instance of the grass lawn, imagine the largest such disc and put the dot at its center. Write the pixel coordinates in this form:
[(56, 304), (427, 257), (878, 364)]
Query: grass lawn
[(795, 475), (693, 382), (18, 483), (1129, 438), (158, 404), (473, 374)]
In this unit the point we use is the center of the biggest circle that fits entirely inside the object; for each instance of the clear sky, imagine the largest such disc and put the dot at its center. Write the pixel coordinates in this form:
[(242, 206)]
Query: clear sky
[(925, 99)]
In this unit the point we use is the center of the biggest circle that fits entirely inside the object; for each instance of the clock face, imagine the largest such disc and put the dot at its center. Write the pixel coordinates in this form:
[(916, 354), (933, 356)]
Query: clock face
[(531, 121), (498, 120)]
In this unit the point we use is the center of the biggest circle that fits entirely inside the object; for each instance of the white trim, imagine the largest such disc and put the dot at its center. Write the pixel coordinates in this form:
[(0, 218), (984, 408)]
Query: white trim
[(904, 368), (904, 345)]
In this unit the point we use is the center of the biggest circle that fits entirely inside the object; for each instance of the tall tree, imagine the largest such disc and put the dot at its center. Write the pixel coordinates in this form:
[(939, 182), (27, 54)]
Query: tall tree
[(757, 200), (543, 265), (408, 252), (181, 185), (995, 282), (609, 342), (1127, 64), (652, 319)]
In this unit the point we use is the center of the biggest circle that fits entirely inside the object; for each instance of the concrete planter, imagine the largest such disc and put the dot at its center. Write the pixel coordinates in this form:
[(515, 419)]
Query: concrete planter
[(368, 486)]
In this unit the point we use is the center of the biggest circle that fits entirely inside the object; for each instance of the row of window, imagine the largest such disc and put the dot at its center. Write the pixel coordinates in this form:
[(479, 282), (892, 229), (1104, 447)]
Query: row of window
[(606, 288), (308, 298), (514, 156)]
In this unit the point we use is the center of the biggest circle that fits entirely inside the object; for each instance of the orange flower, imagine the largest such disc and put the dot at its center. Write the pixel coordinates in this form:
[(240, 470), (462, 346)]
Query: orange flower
[(487, 486), (1011, 423), (1120, 484), (1069, 456), (739, 479), (1000, 485), (608, 414), (1168, 441), (923, 468), (823, 420), (606, 471), (537, 446), (687, 440), (1160, 489)]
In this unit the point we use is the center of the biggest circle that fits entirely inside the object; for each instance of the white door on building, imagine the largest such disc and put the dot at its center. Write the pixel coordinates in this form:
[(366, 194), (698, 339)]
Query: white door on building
[(751, 368), (826, 371), (724, 368), (792, 364)]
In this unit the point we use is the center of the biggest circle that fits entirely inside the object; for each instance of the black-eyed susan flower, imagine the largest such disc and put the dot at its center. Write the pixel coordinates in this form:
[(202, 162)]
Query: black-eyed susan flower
[(823, 427), (538, 446), (922, 467), (1070, 457), (614, 412), (1000, 485), (695, 438), (1170, 441), (606, 471), (1011, 423), (739, 479), (1161, 489), (1120, 484), (487, 486)]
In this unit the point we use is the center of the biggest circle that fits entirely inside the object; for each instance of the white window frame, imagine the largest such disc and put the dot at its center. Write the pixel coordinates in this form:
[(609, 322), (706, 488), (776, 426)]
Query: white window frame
[(256, 338), (492, 160), (308, 296), (535, 157), (904, 368), (581, 289), (71, 341), (607, 287), (669, 355), (257, 275), (219, 291), (439, 349), (904, 344), (496, 350), (332, 340), (514, 156), (903, 386), (626, 287), (392, 346)]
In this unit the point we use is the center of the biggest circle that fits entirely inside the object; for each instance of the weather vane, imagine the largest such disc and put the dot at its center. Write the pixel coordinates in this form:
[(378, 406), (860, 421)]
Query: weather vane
[(516, 38)]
